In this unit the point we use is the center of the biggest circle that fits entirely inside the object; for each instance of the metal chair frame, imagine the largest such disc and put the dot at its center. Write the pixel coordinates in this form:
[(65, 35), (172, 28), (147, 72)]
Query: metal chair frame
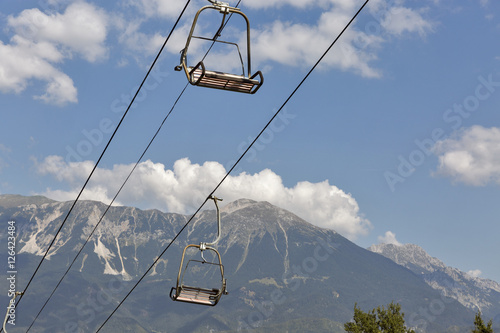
[(199, 295), (196, 295), (199, 76)]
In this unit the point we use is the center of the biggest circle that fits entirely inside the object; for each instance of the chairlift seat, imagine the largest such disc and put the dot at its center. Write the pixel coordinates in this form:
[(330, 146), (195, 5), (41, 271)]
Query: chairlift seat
[(219, 80), (199, 295), (196, 295)]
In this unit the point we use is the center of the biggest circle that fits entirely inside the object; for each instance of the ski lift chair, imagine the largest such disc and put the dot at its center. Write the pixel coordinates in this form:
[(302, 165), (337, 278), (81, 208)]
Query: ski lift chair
[(200, 76), (199, 295)]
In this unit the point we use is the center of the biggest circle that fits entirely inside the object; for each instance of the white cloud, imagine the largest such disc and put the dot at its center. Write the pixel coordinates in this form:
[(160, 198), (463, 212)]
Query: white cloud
[(160, 8), (41, 41), (399, 20), (185, 187), (389, 238), (471, 156), (23, 61), (300, 44), (475, 273), (138, 42), (81, 29), (71, 173), (303, 4)]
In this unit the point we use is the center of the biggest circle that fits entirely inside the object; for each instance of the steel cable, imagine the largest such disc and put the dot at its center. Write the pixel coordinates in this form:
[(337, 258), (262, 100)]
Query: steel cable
[(234, 165)]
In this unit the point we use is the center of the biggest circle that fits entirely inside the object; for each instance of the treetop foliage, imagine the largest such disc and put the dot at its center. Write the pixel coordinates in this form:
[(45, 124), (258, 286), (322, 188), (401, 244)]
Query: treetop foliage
[(390, 320), (480, 327)]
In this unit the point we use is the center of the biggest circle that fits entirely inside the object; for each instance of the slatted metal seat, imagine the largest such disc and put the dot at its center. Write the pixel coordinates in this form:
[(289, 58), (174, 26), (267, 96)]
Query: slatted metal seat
[(196, 295), (218, 80)]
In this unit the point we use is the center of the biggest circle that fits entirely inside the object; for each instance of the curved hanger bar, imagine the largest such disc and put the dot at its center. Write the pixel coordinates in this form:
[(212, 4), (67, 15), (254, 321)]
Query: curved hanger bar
[(215, 199)]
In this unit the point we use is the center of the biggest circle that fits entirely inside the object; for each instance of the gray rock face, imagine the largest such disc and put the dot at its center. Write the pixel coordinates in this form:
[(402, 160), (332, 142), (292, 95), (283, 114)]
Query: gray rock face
[(473, 292), (282, 272)]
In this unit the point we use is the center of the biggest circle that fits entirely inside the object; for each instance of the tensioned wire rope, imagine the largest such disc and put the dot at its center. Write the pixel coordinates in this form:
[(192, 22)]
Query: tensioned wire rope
[(124, 183), (235, 164), (101, 156)]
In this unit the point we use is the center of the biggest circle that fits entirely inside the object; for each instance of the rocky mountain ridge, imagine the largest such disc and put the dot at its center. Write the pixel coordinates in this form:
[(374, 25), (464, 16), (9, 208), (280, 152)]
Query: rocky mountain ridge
[(283, 273), (473, 292)]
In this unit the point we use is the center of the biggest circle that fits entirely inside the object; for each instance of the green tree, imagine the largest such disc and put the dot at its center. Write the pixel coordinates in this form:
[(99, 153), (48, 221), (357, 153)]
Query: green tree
[(390, 320), (479, 326)]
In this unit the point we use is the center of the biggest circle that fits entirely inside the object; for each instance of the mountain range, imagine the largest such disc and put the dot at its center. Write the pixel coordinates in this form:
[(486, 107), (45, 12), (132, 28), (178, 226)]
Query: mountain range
[(473, 292), (283, 274)]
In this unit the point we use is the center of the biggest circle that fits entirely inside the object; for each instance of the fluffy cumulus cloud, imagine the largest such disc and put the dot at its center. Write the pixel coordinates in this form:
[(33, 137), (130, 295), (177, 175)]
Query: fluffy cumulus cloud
[(305, 4), (42, 41), (159, 8), (23, 61), (140, 43), (389, 238), (301, 44), (399, 20), (471, 156), (475, 273), (183, 188), (81, 29)]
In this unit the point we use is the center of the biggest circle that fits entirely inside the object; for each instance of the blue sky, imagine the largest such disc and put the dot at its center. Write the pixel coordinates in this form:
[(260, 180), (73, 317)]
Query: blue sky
[(394, 138)]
